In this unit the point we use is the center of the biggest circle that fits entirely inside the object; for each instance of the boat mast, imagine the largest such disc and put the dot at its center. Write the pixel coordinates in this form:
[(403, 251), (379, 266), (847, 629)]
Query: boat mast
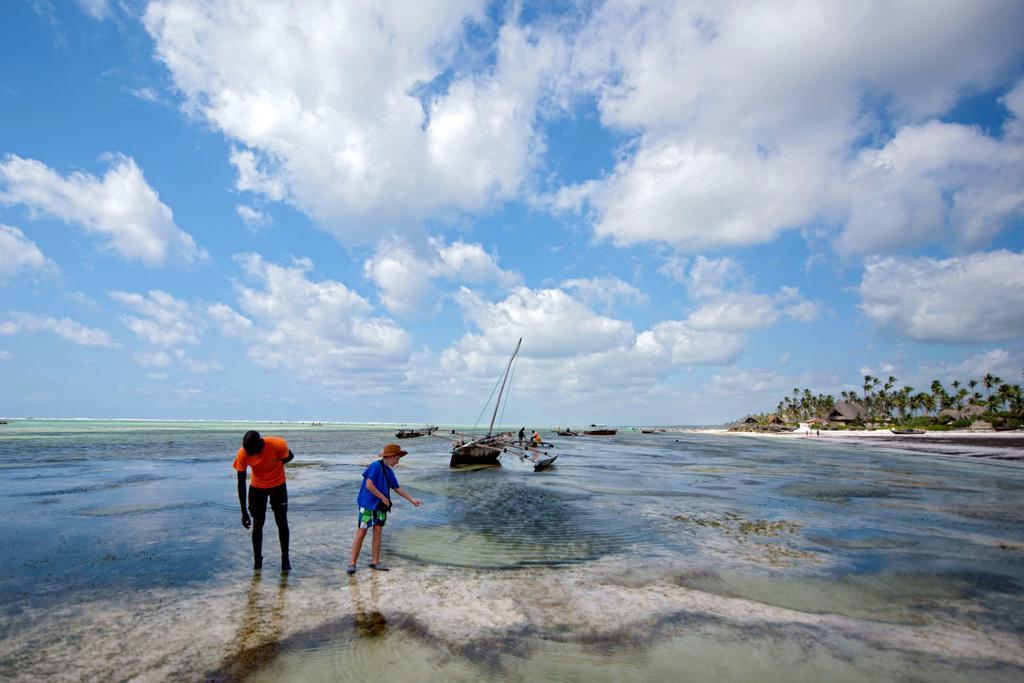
[(500, 391)]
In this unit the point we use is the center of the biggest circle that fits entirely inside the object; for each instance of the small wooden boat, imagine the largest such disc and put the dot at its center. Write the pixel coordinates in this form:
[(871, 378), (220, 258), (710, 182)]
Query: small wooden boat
[(600, 432), (567, 432), (907, 431), (413, 433)]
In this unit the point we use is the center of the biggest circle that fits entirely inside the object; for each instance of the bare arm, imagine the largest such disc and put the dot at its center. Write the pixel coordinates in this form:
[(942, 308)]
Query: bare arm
[(403, 494), (241, 500), (291, 456)]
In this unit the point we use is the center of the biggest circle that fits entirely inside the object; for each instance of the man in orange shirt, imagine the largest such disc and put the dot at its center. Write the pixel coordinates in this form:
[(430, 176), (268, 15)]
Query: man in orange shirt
[(267, 458)]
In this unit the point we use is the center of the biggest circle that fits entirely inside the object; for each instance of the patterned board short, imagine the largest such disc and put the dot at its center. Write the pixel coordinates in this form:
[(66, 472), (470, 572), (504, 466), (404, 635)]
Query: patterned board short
[(369, 518)]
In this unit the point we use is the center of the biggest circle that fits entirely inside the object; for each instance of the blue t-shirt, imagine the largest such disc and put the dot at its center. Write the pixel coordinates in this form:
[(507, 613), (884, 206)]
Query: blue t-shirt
[(383, 477)]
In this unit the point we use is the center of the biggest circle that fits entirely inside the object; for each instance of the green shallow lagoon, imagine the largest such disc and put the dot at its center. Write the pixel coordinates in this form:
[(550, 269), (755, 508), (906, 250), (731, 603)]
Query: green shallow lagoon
[(653, 557)]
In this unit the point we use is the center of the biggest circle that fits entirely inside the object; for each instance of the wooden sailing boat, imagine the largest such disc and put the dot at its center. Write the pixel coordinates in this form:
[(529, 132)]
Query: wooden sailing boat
[(486, 450)]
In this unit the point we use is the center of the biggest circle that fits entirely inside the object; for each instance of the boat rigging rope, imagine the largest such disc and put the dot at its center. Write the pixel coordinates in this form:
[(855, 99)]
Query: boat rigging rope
[(511, 374), (487, 402)]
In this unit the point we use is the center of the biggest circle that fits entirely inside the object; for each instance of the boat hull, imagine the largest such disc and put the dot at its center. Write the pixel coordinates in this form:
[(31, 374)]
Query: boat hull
[(474, 455), (484, 451), (601, 432)]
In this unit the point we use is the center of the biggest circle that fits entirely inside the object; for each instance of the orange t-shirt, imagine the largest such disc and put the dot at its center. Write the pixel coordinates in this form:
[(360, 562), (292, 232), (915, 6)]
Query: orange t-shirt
[(267, 468)]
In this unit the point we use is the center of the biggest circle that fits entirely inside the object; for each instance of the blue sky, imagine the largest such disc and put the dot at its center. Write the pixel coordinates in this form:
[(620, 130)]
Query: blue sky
[(351, 211)]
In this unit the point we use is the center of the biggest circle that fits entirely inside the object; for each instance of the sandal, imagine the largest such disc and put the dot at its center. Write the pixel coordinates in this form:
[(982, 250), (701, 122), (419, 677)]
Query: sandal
[(351, 570), (380, 566)]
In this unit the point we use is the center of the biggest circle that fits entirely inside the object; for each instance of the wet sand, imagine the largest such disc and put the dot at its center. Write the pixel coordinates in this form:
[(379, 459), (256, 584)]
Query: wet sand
[(638, 557)]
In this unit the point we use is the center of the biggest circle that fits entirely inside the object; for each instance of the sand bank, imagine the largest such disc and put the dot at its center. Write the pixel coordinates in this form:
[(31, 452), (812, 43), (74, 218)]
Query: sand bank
[(992, 445)]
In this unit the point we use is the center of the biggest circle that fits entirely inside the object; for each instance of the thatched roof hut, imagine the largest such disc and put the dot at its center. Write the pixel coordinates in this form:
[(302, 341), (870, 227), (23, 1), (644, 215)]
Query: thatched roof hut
[(751, 420), (847, 411), (973, 412), (775, 420), (948, 415)]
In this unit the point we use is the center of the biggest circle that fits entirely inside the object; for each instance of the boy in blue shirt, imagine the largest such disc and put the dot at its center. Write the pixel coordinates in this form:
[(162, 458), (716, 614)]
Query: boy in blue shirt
[(374, 502)]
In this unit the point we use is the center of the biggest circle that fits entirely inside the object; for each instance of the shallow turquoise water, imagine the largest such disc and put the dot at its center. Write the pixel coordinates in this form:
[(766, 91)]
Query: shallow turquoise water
[(796, 558)]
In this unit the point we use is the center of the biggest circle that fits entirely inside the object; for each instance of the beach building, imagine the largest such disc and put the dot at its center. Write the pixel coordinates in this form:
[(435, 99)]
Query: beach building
[(847, 411), (775, 420), (973, 412), (948, 415)]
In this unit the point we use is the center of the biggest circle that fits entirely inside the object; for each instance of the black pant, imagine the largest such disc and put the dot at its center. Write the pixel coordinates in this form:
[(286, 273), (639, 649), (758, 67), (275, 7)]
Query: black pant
[(278, 497)]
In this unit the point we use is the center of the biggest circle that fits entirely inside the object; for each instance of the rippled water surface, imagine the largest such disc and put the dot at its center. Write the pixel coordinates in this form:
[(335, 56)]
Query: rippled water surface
[(638, 557)]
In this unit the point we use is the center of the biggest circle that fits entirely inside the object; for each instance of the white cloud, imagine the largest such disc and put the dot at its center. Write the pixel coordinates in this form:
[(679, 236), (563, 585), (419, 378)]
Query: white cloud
[(153, 359), (746, 118), (973, 298), (938, 182), (735, 312), (557, 324), (569, 351), (253, 218), (727, 304), (232, 324), (604, 292), (750, 385), (167, 322), (362, 114), (120, 206), (405, 278), (321, 331), (18, 253), (97, 9), (997, 361), (884, 369), (19, 322), (146, 94)]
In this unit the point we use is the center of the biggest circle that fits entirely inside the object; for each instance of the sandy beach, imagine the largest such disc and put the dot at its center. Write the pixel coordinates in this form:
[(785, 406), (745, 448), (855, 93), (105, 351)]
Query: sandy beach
[(994, 445)]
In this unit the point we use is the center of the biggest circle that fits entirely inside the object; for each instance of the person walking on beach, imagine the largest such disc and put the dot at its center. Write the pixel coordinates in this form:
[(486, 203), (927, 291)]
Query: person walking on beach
[(374, 501), (522, 435), (267, 458)]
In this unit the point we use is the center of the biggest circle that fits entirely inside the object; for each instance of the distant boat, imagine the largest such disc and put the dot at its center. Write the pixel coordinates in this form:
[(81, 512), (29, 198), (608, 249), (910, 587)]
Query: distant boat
[(907, 431), (601, 432), (567, 432), (413, 433)]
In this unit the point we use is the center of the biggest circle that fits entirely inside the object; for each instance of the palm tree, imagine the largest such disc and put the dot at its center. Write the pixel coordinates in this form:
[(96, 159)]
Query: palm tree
[(1005, 393), (927, 401), (989, 381)]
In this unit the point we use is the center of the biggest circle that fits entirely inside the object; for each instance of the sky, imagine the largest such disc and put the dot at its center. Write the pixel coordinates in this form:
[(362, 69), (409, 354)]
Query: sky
[(351, 211)]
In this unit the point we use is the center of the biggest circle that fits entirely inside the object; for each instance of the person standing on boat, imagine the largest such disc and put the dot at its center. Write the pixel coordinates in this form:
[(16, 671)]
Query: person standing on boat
[(522, 435), (374, 502), (267, 458)]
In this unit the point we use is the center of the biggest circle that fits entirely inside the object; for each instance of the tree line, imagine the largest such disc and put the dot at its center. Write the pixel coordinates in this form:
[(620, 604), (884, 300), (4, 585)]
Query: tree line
[(886, 401)]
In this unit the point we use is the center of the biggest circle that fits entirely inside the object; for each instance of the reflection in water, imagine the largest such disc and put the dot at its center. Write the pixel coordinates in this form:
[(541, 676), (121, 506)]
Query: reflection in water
[(369, 622), (258, 638)]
